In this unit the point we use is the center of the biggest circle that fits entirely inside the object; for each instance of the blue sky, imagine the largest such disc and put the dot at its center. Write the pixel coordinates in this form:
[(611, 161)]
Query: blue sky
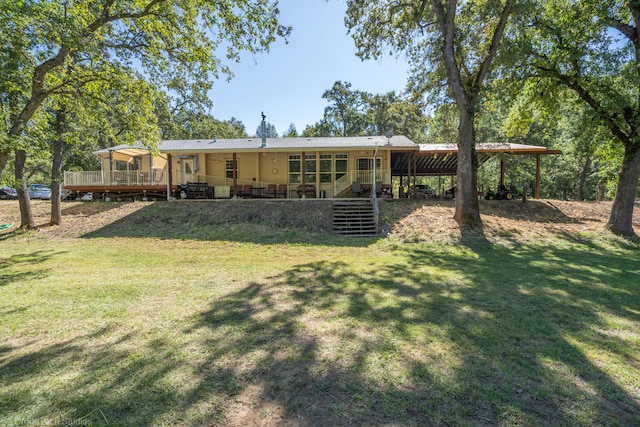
[(288, 82)]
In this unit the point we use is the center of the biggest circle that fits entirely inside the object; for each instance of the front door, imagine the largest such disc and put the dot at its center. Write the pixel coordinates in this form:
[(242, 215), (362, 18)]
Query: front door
[(364, 169), (187, 171)]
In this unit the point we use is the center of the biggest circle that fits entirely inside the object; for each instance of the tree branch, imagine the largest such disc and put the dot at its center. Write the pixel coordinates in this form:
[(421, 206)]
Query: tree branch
[(493, 49), (584, 94)]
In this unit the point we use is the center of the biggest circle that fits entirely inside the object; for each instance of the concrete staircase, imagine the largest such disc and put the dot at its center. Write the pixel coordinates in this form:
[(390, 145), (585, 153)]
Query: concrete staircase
[(354, 217)]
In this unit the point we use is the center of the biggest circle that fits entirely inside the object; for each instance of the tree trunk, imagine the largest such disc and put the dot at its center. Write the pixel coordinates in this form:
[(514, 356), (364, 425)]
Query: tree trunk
[(583, 178), (467, 211), (56, 169), (4, 158), (26, 214), (621, 218)]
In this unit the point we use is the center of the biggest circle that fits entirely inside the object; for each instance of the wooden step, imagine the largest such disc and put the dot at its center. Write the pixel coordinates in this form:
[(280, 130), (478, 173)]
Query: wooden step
[(354, 218)]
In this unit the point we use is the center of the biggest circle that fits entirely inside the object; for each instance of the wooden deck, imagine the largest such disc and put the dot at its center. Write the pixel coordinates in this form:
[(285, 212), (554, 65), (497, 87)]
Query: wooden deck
[(102, 191)]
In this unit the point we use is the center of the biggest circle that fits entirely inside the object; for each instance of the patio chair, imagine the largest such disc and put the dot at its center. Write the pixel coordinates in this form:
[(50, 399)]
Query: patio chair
[(247, 190), (282, 190), (236, 190), (272, 190), (378, 188), (356, 188)]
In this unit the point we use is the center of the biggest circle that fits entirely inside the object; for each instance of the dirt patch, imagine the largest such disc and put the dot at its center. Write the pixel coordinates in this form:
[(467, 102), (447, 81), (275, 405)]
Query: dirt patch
[(511, 221), (407, 220)]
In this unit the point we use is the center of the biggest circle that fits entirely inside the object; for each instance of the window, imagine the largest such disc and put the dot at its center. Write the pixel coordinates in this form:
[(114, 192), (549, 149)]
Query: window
[(341, 165), (329, 168), (228, 168), (310, 168), (295, 168), (326, 168)]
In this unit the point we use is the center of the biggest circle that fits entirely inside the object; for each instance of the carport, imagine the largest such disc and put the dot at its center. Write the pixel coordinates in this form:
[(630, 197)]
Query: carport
[(442, 159)]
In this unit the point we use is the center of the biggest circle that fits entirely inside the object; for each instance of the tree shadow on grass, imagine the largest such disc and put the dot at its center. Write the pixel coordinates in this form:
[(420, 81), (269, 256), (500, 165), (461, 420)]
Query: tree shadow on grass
[(475, 346), (473, 342), (20, 262)]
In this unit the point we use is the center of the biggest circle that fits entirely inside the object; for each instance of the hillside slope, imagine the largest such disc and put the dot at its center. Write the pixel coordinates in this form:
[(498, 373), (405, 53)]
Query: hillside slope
[(405, 220)]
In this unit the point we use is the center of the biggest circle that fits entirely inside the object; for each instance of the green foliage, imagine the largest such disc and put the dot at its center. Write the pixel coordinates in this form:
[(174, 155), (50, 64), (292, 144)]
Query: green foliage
[(318, 129), (189, 124), (400, 115), (443, 126), (269, 131), (347, 110), (72, 44), (292, 132), (352, 112)]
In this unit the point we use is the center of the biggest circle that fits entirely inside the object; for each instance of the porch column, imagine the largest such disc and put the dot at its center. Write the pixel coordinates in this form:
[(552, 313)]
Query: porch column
[(318, 174), (415, 167), (259, 157), (169, 176), (537, 176), (408, 193), (110, 167), (501, 171), (304, 170), (235, 170)]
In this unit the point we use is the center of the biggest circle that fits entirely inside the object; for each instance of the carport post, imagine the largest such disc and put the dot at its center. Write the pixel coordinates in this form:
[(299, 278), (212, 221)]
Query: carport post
[(409, 174), (110, 166), (169, 172), (538, 176)]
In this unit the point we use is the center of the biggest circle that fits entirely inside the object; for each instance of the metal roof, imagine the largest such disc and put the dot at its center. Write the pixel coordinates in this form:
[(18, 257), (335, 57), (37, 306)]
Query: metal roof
[(124, 153), (442, 159)]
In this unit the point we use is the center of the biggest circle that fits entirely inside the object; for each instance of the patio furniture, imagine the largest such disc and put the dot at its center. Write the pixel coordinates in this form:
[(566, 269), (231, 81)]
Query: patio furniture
[(356, 188), (307, 190), (272, 190), (258, 192), (282, 190)]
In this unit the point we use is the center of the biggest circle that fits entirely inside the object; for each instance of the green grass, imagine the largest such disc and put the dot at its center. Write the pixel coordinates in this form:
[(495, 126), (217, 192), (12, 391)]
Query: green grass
[(140, 331)]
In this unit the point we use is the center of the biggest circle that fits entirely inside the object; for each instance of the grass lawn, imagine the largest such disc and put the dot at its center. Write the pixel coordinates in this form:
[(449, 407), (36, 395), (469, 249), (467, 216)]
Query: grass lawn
[(104, 330)]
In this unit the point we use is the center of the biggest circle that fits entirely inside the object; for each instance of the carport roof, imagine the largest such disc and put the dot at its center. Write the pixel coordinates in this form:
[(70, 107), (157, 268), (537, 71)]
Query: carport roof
[(442, 159)]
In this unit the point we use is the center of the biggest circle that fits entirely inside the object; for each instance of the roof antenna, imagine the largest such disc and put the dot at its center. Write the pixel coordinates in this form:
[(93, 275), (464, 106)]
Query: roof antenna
[(389, 135), (264, 131)]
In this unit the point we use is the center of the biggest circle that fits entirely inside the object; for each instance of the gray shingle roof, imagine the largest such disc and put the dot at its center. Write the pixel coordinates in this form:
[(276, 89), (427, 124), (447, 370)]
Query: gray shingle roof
[(275, 144)]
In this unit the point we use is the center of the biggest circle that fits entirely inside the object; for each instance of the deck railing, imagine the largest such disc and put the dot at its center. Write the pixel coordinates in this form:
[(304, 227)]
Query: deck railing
[(83, 178), (159, 177), (127, 178), (363, 177)]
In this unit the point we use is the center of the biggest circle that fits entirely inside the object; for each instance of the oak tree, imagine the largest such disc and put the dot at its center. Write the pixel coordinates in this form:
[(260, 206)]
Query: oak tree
[(444, 41), (171, 41), (591, 48)]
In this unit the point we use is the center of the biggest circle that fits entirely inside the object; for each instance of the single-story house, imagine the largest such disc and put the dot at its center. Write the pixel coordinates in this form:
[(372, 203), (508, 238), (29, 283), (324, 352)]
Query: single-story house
[(272, 167)]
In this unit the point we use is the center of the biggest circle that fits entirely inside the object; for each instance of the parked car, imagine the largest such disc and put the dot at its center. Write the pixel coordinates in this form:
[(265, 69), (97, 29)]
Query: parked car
[(8, 193), (422, 191), (39, 191)]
